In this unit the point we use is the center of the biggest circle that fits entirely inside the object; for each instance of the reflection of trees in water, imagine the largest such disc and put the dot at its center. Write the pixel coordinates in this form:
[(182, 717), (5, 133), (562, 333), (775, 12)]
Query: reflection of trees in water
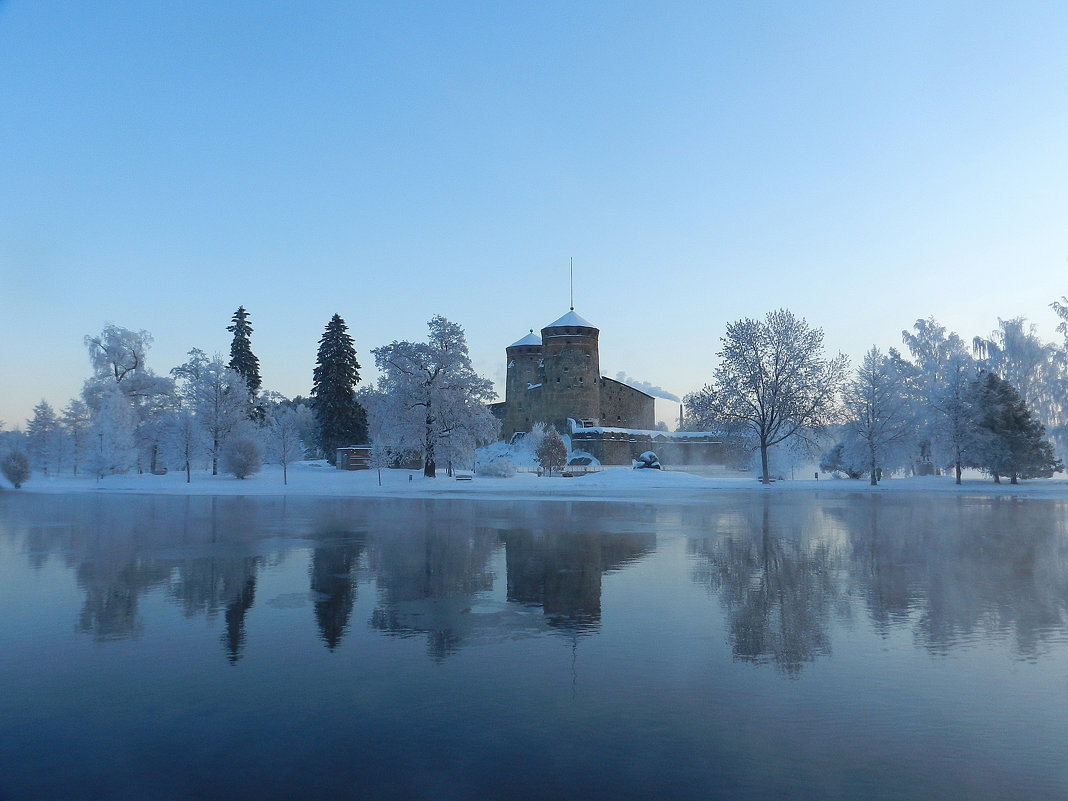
[(560, 571), (234, 636), (111, 596), (192, 548), (954, 570), (428, 577), (951, 570), (333, 574), (779, 589)]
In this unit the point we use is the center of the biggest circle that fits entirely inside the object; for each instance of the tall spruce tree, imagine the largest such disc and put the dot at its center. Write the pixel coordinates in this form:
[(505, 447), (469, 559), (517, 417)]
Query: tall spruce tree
[(1011, 440), (243, 361), (342, 421)]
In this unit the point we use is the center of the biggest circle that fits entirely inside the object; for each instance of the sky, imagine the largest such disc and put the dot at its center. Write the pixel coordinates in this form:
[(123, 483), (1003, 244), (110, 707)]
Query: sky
[(862, 164)]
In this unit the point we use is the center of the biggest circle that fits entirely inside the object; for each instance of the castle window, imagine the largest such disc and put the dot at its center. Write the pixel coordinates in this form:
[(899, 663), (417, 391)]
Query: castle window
[(558, 379), (581, 381)]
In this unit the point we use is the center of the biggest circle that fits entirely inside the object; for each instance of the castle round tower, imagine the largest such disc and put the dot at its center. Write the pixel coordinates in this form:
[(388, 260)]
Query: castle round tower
[(523, 385), (572, 371)]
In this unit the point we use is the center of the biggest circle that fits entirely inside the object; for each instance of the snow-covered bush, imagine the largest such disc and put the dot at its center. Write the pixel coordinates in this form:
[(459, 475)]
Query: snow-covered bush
[(16, 468), (500, 467), (242, 455), (841, 461)]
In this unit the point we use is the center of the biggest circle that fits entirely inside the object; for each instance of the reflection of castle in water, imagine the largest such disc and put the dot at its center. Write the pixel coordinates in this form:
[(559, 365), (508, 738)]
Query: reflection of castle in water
[(429, 582), (561, 571), (945, 569)]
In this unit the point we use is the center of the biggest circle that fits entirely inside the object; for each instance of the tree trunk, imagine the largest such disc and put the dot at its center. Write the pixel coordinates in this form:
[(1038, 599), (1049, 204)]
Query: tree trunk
[(188, 472), (430, 467), (764, 477), (1012, 479), (874, 474), (956, 465), (285, 475), (997, 478)]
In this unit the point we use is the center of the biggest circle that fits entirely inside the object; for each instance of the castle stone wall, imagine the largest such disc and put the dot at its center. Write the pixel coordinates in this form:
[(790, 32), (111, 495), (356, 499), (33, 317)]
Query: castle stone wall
[(624, 406)]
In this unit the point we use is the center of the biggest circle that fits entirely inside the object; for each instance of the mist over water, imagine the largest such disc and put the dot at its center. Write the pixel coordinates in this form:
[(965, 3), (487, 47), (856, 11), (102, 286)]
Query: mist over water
[(754, 646)]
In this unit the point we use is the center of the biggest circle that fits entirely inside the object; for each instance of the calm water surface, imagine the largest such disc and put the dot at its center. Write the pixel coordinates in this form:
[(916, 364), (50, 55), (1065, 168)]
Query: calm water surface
[(746, 647)]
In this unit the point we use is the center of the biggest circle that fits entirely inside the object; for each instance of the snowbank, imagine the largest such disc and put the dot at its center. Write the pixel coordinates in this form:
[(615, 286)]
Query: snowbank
[(612, 484)]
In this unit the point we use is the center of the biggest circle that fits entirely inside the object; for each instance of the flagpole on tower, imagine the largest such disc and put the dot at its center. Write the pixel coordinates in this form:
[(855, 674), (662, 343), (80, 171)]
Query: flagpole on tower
[(572, 283)]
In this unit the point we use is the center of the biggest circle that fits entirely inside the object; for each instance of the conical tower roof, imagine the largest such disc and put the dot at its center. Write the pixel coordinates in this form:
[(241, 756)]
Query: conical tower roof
[(571, 319), (529, 339)]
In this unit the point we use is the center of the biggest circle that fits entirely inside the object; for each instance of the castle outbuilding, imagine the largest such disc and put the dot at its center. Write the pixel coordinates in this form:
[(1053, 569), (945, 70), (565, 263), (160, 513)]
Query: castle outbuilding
[(557, 376)]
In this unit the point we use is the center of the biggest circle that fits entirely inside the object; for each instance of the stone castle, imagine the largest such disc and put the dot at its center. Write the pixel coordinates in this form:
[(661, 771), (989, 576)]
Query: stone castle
[(557, 376), (556, 379)]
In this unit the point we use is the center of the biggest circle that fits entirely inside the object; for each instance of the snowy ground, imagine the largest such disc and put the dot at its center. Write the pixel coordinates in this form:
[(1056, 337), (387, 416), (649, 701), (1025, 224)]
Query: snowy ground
[(618, 484)]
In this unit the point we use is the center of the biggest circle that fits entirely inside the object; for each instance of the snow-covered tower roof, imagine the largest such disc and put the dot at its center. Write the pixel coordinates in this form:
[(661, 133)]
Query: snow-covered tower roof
[(571, 320), (530, 339)]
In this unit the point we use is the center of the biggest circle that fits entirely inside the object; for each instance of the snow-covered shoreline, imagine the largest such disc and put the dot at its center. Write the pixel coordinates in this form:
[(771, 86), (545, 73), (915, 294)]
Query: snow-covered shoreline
[(311, 479)]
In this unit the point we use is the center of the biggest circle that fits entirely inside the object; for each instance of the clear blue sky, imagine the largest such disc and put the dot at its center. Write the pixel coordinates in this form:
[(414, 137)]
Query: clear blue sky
[(863, 164)]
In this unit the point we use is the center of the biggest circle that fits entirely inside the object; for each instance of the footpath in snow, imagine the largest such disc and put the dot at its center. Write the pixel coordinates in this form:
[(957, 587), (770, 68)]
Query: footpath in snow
[(612, 484)]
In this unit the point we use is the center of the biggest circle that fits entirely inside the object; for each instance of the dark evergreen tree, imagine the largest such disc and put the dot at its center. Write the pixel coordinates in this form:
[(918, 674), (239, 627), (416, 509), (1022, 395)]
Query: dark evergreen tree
[(1010, 441), (342, 421), (242, 359)]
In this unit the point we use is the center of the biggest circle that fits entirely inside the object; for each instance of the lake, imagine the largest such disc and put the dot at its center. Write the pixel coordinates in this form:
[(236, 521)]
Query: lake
[(745, 646)]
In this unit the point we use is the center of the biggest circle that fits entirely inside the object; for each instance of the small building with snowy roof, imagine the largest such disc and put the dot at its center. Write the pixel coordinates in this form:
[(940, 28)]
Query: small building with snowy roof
[(556, 377)]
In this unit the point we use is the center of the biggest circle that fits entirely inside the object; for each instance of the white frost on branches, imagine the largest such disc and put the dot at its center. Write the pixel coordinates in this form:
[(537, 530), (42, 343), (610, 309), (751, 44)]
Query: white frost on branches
[(430, 399)]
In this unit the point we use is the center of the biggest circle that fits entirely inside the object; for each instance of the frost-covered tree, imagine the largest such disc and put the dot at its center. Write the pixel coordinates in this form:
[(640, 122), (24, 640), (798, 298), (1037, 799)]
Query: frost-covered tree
[(243, 360), (954, 415), (1016, 354), (77, 421), (530, 443), (242, 453), (185, 440), (699, 410), (114, 427), (16, 468), (217, 396), (881, 412), (45, 437), (429, 395), (119, 356), (937, 354), (773, 383), (118, 351), (282, 429), (551, 451), (342, 420)]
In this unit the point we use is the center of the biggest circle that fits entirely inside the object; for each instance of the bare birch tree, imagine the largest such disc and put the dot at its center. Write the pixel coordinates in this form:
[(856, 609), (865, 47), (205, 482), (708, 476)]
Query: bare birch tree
[(773, 383)]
